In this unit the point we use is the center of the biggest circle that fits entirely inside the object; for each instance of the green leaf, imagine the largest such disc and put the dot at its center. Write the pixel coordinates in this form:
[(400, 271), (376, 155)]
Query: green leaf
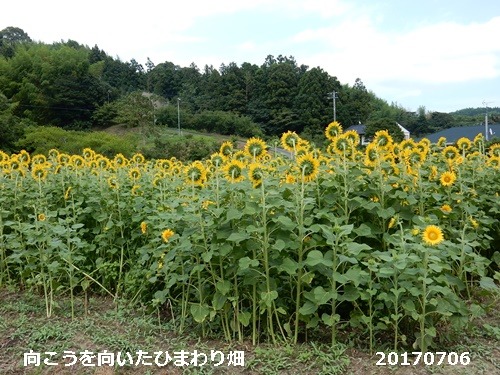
[(289, 266), (244, 318), (286, 222), (268, 297), (488, 283), (322, 296), (238, 237), (233, 214), (223, 286), (199, 312), (308, 308), (355, 248), (218, 301), (246, 262), (315, 257), (330, 320)]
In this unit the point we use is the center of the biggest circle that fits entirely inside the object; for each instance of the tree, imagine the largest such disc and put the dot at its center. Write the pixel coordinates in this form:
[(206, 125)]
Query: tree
[(384, 124), (135, 110), (9, 38)]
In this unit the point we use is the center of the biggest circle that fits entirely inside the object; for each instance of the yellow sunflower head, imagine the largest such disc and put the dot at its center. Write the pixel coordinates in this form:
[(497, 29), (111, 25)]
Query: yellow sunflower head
[(446, 208), (196, 173), (24, 157), (120, 161), (448, 178), (450, 153), (334, 129), (255, 147), (41, 217), (166, 234), (441, 141), (137, 159), (226, 148), (432, 235), (39, 172), (233, 170), (88, 153), (308, 167), (134, 173), (38, 159), (217, 159), (494, 150), (144, 227), (290, 141), (256, 174), (113, 182), (463, 144), (352, 136), (382, 139)]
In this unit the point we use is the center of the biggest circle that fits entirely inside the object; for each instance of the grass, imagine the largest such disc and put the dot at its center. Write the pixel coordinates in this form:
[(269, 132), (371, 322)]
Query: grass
[(105, 326)]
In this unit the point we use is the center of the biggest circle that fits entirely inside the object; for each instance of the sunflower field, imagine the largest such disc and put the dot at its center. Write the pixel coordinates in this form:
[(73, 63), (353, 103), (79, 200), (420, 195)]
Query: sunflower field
[(389, 241)]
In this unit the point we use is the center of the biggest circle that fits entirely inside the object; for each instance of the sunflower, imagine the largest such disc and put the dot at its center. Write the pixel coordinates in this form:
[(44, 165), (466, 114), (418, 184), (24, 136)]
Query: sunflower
[(138, 159), (255, 174), (113, 182), (4, 157), (53, 154), (66, 194), (463, 144), (433, 173), (226, 148), (41, 217), (103, 162), (88, 153), (166, 234), (479, 141), (446, 208), (240, 155), (333, 130), (352, 136), (371, 155), (382, 139), (441, 141), (77, 161), (120, 161), (255, 147), (134, 173), (144, 227), (38, 159), (451, 153), (217, 159), (39, 172), (24, 157), (196, 173), (234, 170), (432, 235), (392, 222), (308, 166), (473, 222), (494, 150), (448, 178), (341, 144), (290, 140), (494, 162)]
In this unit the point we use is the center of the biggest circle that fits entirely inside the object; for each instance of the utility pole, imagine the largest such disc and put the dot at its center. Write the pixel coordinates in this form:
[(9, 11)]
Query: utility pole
[(333, 95), (486, 120), (179, 115)]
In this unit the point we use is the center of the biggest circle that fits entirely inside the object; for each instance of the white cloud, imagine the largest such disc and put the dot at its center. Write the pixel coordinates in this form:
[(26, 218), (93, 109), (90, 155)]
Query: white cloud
[(444, 52)]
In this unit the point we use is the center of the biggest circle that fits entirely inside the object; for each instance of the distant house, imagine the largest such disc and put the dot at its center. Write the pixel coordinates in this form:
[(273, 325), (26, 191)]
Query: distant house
[(452, 135), (361, 130)]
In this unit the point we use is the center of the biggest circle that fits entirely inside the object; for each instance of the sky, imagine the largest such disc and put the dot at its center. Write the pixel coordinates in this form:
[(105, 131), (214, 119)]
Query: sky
[(443, 55)]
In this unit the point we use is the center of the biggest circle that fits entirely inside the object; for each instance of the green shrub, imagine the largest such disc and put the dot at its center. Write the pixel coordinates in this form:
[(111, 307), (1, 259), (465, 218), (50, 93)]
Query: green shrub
[(40, 139)]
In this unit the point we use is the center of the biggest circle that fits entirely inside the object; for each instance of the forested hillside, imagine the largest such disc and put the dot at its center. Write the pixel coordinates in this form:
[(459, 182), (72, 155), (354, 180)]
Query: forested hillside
[(73, 86)]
